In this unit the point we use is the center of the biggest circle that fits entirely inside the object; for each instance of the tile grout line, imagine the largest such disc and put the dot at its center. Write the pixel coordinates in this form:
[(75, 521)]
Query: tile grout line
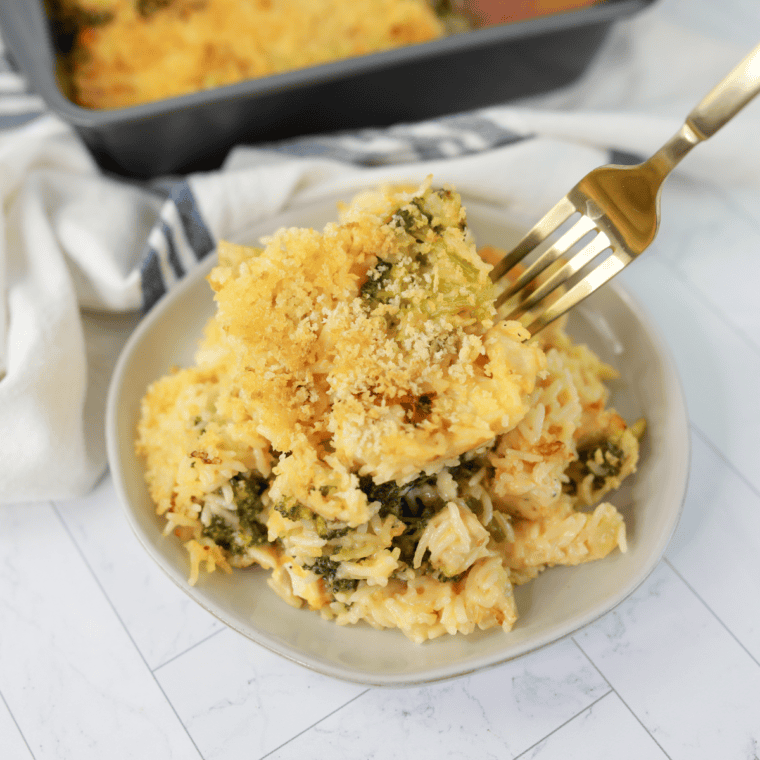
[(121, 622), (708, 442), (617, 694), (15, 723), (316, 723), (568, 721), (190, 648), (710, 610), (751, 486)]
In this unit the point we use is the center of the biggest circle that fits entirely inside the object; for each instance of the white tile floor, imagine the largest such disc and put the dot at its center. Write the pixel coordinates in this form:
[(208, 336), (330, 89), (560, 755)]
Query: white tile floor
[(101, 656), (607, 728), (88, 655)]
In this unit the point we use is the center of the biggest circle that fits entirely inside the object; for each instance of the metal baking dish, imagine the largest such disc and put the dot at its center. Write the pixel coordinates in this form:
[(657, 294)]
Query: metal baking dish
[(194, 132)]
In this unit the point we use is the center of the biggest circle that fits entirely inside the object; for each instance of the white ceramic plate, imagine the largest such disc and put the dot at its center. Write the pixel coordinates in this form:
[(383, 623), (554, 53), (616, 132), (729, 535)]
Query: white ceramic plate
[(557, 603)]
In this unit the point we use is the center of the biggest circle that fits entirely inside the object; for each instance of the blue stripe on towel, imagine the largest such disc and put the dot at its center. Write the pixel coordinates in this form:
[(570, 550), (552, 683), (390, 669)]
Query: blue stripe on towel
[(197, 234), (152, 282), (171, 251), (446, 137), (180, 225), (12, 120)]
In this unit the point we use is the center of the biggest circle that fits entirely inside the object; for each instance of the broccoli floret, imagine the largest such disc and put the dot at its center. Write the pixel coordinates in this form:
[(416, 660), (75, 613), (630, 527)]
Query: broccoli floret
[(390, 495), (373, 290), (221, 532), (293, 510), (247, 491), (234, 540), (413, 218), (406, 543), (327, 568), (296, 511), (468, 467), (496, 532), (405, 219), (604, 460), (324, 531), (412, 512)]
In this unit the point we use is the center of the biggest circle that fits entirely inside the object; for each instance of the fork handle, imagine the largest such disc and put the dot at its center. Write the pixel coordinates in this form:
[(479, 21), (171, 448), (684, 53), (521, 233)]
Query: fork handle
[(727, 98), (720, 105)]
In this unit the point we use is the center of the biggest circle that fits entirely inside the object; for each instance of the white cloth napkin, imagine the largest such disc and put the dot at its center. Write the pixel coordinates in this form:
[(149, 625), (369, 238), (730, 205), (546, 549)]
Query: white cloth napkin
[(80, 252)]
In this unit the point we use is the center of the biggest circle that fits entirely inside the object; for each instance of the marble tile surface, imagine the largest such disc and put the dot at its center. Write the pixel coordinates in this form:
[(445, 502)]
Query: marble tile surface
[(709, 257), (690, 683), (11, 738), (721, 519), (102, 657), (252, 701), (717, 364), (72, 676), (502, 712), (606, 728), (161, 619)]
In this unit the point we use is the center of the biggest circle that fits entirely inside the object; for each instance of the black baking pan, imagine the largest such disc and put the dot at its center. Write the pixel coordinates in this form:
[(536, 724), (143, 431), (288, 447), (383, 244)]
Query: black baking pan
[(487, 65)]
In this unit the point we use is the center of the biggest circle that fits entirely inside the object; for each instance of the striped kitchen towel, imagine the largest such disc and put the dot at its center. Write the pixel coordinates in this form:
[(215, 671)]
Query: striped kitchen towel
[(182, 236)]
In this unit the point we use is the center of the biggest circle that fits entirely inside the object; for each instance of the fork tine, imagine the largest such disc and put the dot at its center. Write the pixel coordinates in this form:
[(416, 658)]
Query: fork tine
[(611, 266), (551, 220), (513, 307), (576, 233)]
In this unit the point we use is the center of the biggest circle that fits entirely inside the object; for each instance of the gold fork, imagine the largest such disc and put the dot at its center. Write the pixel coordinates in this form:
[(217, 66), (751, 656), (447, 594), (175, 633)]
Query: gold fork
[(619, 209)]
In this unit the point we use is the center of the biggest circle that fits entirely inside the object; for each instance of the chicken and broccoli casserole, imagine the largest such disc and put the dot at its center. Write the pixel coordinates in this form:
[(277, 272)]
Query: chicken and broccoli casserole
[(121, 53), (360, 425)]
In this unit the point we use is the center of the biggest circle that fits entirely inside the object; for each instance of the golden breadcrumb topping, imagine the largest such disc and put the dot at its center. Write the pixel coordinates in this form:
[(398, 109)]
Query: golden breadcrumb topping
[(126, 52), (373, 340)]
